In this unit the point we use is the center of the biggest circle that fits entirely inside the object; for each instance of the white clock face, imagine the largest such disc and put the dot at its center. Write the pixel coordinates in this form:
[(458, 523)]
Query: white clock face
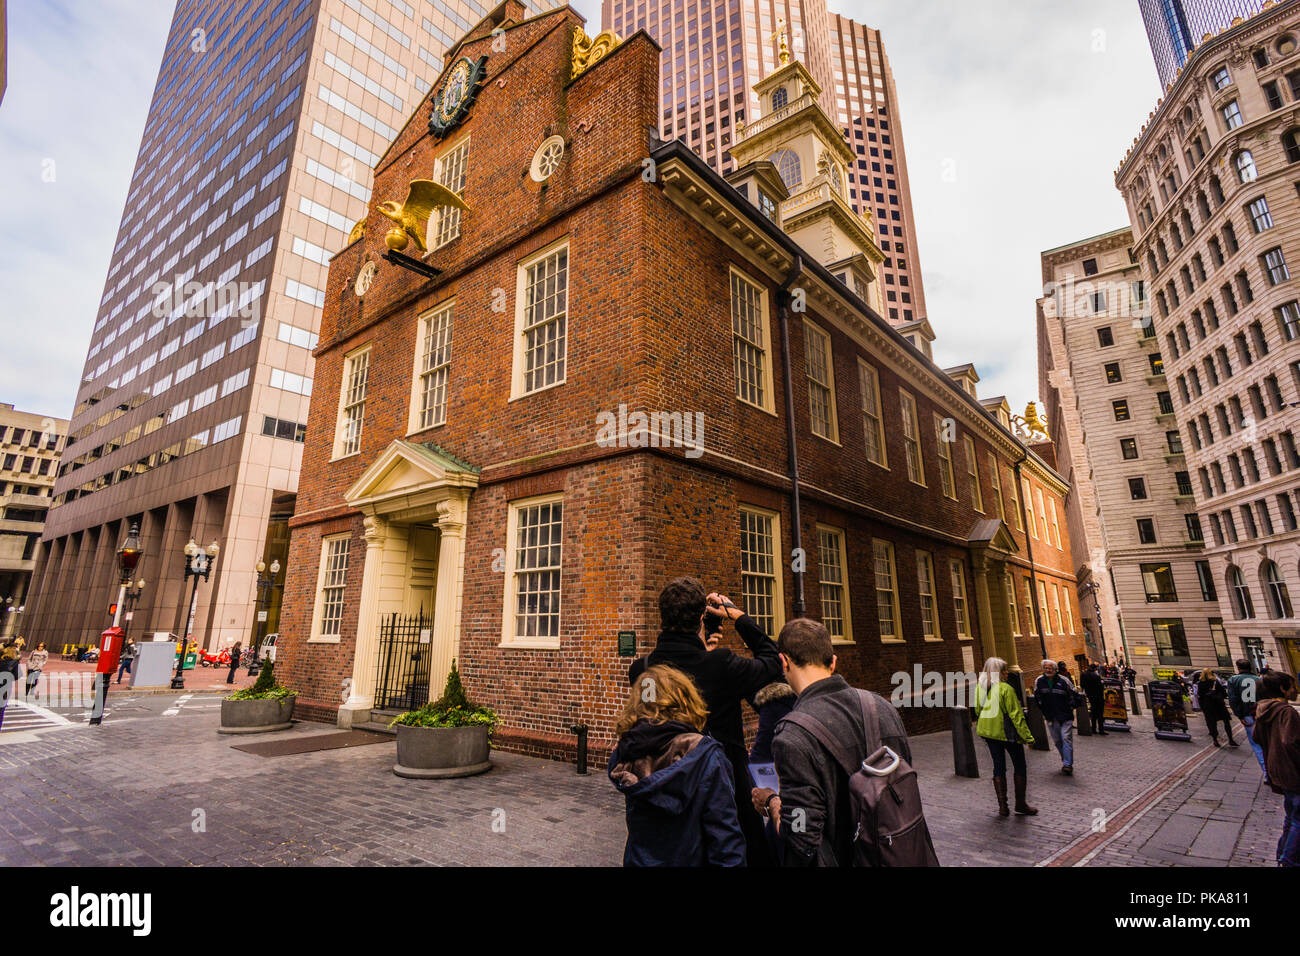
[(365, 277)]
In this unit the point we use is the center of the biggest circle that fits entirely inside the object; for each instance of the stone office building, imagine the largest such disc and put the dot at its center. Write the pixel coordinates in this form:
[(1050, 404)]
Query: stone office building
[(1211, 189), (597, 380)]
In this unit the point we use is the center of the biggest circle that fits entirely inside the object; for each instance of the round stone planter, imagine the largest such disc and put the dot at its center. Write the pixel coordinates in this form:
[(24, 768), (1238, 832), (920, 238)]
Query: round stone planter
[(434, 752), (256, 716)]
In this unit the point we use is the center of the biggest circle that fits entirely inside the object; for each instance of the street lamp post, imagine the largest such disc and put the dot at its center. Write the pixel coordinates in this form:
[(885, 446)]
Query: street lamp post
[(131, 596), (265, 589), (198, 564)]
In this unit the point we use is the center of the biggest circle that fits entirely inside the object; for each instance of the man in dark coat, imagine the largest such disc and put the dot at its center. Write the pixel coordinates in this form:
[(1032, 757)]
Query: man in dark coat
[(1212, 694), (723, 679), (1096, 692)]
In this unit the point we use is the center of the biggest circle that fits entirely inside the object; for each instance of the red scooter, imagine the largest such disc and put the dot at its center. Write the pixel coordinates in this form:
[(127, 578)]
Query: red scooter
[(221, 659)]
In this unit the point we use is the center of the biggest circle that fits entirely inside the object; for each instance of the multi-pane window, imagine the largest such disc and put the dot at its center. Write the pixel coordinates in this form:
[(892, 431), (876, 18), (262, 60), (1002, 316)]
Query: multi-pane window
[(333, 579), (872, 423), (886, 574), (1032, 624), (1219, 637), (1158, 581), (1146, 528), (1056, 610), (451, 173), (1012, 615), (1232, 117), (958, 573), (534, 612), (1242, 604), (1279, 598), (758, 564), (973, 475), (545, 320), (1171, 641), (1260, 217), (1015, 503), (1067, 612), (352, 410), (912, 438), (749, 341), (1044, 610), (1056, 523), (1275, 266), (821, 382), (943, 442), (925, 588), (834, 583), (996, 477), (1029, 506), (434, 366), (1128, 448)]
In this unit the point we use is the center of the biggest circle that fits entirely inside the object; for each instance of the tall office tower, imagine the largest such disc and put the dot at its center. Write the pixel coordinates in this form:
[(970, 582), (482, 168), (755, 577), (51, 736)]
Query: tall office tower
[(1145, 589), (266, 121), (1176, 27), (30, 446), (710, 62), (1210, 189)]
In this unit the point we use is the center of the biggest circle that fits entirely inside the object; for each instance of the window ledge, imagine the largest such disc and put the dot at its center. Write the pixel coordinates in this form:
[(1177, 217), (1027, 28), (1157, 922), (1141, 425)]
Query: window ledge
[(530, 645), (323, 640), (893, 640)]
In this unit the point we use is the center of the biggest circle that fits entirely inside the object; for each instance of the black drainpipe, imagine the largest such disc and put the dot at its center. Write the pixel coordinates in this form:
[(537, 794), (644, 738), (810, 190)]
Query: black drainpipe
[(792, 446), (1029, 546)]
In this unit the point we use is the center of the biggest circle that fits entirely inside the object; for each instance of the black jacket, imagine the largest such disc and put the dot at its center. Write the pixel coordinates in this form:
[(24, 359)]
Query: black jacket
[(813, 783), (1212, 695), (1093, 687), (722, 678), (1055, 697)]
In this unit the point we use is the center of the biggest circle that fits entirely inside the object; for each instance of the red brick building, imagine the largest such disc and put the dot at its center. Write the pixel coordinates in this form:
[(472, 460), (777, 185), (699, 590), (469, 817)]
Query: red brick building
[(477, 482)]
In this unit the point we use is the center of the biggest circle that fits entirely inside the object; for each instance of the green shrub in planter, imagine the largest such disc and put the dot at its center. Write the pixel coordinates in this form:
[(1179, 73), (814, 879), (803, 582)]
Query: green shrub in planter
[(452, 709), (264, 688)]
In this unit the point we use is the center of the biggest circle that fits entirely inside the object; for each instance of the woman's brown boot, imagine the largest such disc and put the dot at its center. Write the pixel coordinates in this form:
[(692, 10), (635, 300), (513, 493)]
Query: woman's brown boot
[(1022, 808), (1000, 788)]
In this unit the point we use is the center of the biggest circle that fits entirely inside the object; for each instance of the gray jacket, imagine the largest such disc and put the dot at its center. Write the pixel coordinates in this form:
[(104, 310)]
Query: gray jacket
[(815, 813)]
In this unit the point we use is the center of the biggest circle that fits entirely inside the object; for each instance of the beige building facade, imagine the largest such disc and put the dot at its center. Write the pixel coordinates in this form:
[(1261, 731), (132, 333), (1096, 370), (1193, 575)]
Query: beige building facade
[(1146, 592), (1211, 188)]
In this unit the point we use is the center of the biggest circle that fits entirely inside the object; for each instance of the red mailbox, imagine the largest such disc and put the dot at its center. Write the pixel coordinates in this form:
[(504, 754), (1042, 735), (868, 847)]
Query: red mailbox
[(110, 650)]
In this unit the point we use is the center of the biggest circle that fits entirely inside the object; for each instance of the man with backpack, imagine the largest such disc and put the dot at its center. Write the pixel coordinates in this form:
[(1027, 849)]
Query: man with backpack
[(1243, 695), (832, 810)]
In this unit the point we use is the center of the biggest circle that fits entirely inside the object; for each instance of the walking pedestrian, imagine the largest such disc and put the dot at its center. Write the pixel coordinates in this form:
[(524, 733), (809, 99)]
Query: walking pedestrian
[(1130, 676), (675, 780), (36, 662), (1212, 692), (1243, 695), (1002, 725), (9, 660), (723, 678), (812, 814), (234, 661), (128, 658), (1055, 696), (1096, 693), (1277, 725)]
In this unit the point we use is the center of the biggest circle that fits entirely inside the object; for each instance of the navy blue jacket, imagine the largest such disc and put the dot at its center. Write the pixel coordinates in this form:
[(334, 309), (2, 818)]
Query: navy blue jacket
[(681, 803), (1055, 697)]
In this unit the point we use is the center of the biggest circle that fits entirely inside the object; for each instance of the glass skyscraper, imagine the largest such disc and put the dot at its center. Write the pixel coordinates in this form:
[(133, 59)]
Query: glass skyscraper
[(1176, 27)]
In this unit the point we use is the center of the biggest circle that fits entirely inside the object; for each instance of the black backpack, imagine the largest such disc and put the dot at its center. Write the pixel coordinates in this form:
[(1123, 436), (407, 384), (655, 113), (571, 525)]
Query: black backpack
[(889, 826)]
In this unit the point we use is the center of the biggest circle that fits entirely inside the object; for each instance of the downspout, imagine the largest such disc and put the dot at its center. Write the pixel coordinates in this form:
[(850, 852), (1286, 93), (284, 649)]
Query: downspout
[(1029, 547), (791, 438)]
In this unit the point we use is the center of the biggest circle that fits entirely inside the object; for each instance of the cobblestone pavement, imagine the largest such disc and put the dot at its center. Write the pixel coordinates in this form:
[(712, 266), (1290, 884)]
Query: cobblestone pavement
[(156, 785)]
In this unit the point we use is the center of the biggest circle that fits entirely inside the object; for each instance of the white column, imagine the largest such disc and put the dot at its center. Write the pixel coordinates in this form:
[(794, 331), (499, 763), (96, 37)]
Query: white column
[(356, 708), (447, 603)]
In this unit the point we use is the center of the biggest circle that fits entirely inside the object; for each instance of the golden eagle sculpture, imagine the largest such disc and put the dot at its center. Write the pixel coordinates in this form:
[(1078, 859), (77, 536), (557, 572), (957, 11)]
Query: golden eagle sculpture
[(412, 216)]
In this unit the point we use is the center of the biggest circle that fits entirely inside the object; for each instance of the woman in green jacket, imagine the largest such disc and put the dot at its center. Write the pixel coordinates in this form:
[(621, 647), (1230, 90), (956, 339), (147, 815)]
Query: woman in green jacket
[(1002, 725)]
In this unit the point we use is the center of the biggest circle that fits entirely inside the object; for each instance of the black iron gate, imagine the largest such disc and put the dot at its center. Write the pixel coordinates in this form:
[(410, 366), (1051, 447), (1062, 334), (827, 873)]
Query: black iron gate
[(405, 649)]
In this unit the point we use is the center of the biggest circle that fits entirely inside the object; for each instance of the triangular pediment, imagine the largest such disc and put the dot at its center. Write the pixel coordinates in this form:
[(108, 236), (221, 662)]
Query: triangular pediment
[(993, 533), (408, 468)]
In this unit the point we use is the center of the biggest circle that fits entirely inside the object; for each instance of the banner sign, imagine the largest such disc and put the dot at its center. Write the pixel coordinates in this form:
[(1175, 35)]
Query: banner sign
[(1114, 709), (1169, 710)]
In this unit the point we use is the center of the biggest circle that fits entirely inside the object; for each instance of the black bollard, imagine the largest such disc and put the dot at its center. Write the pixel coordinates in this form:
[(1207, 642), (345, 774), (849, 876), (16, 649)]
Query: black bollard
[(1037, 725), (1133, 702), (581, 731), (1082, 723), (964, 763)]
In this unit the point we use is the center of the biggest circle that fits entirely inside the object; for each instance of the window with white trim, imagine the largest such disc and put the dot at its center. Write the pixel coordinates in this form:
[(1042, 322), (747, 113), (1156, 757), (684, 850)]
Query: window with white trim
[(886, 573), (996, 474), (749, 342), (542, 321), (960, 610), (352, 403), (451, 173), (973, 474), (942, 442), (1056, 525), (912, 438), (330, 587), (1012, 615), (821, 383), (534, 529), (759, 578), (1030, 626), (926, 590), (872, 424), (832, 562), (433, 366), (1029, 506), (1043, 609)]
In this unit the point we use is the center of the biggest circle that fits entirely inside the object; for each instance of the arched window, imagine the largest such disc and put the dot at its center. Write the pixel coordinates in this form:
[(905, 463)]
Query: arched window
[(1216, 190), (1291, 143), (1242, 606), (837, 182), (779, 97), (1245, 163), (786, 162), (1279, 600)]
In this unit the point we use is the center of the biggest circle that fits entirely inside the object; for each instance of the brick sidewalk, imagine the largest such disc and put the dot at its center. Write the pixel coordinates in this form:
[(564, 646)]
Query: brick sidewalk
[(130, 792), (197, 678)]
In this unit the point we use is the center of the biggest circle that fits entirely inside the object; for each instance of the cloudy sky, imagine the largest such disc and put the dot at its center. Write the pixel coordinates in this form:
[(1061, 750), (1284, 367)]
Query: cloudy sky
[(1014, 114)]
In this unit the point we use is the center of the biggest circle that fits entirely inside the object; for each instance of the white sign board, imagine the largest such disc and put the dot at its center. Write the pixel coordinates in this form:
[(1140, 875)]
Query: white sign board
[(425, 635)]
